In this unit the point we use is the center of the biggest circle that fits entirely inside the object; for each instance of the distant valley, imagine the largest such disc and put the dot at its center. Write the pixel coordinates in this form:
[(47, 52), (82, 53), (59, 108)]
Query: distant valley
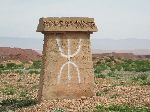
[(136, 46)]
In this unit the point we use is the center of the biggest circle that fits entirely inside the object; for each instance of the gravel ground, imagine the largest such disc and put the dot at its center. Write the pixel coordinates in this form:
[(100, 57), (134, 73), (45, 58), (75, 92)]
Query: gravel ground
[(107, 92)]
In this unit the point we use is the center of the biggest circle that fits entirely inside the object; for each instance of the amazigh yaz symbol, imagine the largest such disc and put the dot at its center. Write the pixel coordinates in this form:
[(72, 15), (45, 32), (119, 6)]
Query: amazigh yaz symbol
[(68, 56)]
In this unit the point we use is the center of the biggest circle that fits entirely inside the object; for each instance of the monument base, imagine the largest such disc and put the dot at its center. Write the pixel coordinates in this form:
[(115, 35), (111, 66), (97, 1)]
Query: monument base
[(68, 92), (67, 75)]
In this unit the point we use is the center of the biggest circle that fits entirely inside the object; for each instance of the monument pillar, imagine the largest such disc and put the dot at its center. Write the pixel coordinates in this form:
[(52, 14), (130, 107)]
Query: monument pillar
[(67, 59)]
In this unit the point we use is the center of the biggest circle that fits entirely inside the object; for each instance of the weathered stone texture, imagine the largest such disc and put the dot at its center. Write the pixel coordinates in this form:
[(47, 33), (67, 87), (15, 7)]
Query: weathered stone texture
[(66, 24), (67, 66)]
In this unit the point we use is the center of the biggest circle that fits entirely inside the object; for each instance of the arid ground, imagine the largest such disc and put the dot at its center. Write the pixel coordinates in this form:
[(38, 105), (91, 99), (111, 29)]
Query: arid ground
[(121, 85)]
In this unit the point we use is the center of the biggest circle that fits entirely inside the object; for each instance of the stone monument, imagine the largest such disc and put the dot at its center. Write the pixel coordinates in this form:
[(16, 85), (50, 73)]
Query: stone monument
[(67, 59)]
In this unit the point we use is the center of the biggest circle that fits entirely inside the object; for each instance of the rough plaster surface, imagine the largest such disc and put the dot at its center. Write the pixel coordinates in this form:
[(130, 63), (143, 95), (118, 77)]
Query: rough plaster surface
[(67, 60), (84, 24), (53, 86)]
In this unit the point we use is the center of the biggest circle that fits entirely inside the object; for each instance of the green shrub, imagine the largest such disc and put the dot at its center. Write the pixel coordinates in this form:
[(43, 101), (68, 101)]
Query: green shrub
[(1, 72), (120, 108), (98, 62), (6, 71), (111, 74), (143, 77), (21, 66), (118, 67), (36, 65), (17, 103), (8, 90), (11, 65), (114, 96), (99, 75), (106, 90), (100, 108), (34, 72), (101, 68), (146, 82), (126, 65), (2, 66), (140, 77), (23, 93), (58, 110), (19, 71), (98, 93)]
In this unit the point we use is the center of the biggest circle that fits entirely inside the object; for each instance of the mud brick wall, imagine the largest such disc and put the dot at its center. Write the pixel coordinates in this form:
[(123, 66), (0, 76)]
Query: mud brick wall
[(67, 64)]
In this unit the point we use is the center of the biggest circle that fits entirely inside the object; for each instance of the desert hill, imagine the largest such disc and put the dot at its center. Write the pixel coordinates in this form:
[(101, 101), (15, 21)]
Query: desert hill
[(25, 55), (121, 55), (7, 53)]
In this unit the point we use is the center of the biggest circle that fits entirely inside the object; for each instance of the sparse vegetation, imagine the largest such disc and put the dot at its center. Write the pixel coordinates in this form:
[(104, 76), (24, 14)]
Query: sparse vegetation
[(132, 71), (122, 64), (20, 69), (58, 110), (10, 105), (120, 108), (34, 72), (142, 79), (98, 93), (121, 86), (99, 75), (36, 65), (23, 93), (10, 90)]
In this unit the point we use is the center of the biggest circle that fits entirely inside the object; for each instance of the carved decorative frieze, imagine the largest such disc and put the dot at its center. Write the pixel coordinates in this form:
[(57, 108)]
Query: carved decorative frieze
[(66, 24)]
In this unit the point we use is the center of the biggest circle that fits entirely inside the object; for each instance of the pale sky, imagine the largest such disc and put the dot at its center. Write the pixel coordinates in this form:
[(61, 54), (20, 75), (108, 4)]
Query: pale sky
[(116, 19)]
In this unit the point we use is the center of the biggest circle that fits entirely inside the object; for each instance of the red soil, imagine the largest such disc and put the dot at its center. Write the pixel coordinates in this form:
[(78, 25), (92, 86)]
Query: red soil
[(7, 53)]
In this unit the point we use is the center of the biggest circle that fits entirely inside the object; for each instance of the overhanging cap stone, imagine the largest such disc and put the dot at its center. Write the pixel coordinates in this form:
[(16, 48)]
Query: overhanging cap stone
[(56, 24)]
